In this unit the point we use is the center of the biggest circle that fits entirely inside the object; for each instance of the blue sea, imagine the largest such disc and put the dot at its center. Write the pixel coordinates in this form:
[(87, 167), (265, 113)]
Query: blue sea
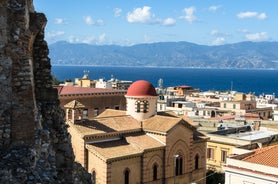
[(241, 80)]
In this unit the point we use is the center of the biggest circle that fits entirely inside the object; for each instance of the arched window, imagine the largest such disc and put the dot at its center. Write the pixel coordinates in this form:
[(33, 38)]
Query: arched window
[(197, 161), (178, 165), (93, 177), (138, 106), (126, 173), (155, 171), (142, 106), (146, 106)]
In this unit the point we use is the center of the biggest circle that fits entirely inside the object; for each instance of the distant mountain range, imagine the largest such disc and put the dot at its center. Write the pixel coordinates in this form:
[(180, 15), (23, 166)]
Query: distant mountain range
[(251, 55)]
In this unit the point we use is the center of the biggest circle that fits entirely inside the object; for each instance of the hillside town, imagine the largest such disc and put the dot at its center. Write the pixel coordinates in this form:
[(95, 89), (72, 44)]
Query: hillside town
[(97, 131), (158, 135)]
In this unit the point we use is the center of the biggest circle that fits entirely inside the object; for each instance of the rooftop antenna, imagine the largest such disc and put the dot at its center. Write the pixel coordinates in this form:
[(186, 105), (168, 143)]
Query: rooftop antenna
[(231, 85), (86, 74), (160, 83)]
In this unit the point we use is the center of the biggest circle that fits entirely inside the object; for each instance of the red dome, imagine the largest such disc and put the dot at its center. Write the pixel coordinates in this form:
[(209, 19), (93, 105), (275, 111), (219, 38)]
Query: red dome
[(141, 88)]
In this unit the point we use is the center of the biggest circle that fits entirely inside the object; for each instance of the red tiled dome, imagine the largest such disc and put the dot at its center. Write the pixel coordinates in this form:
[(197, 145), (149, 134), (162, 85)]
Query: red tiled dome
[(141, 88)]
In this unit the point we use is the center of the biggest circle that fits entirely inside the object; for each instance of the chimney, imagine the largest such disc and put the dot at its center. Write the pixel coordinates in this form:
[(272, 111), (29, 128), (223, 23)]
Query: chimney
[(257, 125)]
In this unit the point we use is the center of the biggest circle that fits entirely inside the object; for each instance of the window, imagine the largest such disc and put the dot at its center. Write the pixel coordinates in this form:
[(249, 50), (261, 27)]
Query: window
[(210, 153), (117, 107), (234, 106), (178, 165), (179, 105), (138, 106), (85, 114), (93, 177), (225, 105), (223, 156), (126, 173), (141, 106), (155, 172), (96, 111), (197, 162), (146, 104)]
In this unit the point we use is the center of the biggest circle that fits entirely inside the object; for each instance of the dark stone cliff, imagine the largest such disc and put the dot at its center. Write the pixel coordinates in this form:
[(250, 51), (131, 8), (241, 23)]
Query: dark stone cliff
[(35, 146)]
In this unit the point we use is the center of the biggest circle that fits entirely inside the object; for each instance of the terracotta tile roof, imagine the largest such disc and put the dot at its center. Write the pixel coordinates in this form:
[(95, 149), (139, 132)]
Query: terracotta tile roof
[(167, 113), (65, 90), (128, 146), (185, 87), (103, 124), (160, 123), (264, 156), (74, 105), (252, 171), (114, 149), (144, 142), (189, 121), (111, 113)]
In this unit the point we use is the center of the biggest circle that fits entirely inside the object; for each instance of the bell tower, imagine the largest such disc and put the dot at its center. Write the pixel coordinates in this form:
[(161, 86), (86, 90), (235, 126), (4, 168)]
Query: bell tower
[(141, 100)]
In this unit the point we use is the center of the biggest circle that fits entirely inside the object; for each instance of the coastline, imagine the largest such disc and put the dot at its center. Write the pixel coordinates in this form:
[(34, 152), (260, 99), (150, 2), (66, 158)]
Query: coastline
[(204, 68)]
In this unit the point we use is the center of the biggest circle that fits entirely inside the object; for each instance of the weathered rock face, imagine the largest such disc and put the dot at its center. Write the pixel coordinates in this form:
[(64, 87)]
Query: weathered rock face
[(34, 143)]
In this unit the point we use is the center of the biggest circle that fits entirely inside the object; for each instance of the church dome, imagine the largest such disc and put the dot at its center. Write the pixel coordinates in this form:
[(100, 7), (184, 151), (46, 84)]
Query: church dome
[(141, 88)]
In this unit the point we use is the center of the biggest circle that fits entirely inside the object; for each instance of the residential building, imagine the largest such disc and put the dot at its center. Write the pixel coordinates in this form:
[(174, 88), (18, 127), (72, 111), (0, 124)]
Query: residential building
[(84, 81), (113, 83), (185, 90), (139, 145), (275, 114), (102, 83), (259, 166), (95, 100), (241, 107), (230, 136)]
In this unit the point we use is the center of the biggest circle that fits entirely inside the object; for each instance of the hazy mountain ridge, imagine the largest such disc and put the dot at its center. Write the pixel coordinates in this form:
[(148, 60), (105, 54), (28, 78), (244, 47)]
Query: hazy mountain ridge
[(256, 55)]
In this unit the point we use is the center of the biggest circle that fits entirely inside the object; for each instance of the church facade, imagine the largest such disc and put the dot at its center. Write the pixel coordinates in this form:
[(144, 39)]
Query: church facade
[(139, 145)]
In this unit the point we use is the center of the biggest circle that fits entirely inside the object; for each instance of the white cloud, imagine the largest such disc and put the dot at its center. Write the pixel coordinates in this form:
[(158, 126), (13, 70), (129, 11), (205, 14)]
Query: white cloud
[(217, 33), (99, 22), (218, 41), (117, 12), (102, 38), (169, 22), (189, 14), (73, 39), (141, 15), (145, 16), (214, 7), (59, 21), (243, 31), (257, 36), (214, 32), (90, 21), (248, 14), (261, 16), (53, 34), (92, 39)]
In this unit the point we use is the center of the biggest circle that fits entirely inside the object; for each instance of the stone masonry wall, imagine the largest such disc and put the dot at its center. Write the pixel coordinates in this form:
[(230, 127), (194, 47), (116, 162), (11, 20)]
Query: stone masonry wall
[(35, 145)]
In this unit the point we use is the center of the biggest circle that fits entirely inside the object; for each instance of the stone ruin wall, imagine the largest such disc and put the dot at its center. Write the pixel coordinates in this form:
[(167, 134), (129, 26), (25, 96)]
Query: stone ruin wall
[(34, 143), (17, 98)]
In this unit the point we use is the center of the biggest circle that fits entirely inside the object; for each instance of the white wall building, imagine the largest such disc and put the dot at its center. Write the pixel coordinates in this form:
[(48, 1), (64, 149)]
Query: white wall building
[(257, 167), (101, 83)]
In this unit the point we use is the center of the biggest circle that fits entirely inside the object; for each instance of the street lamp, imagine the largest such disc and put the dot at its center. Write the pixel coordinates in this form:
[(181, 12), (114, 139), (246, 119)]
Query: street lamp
[(175, 165)]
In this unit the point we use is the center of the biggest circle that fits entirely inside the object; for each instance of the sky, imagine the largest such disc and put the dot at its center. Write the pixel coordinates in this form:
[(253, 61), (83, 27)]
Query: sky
[(129, 22)]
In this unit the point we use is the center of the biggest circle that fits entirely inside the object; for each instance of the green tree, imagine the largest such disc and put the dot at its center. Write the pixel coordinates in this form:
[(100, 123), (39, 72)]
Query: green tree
[(55, 80), (214, 177)]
